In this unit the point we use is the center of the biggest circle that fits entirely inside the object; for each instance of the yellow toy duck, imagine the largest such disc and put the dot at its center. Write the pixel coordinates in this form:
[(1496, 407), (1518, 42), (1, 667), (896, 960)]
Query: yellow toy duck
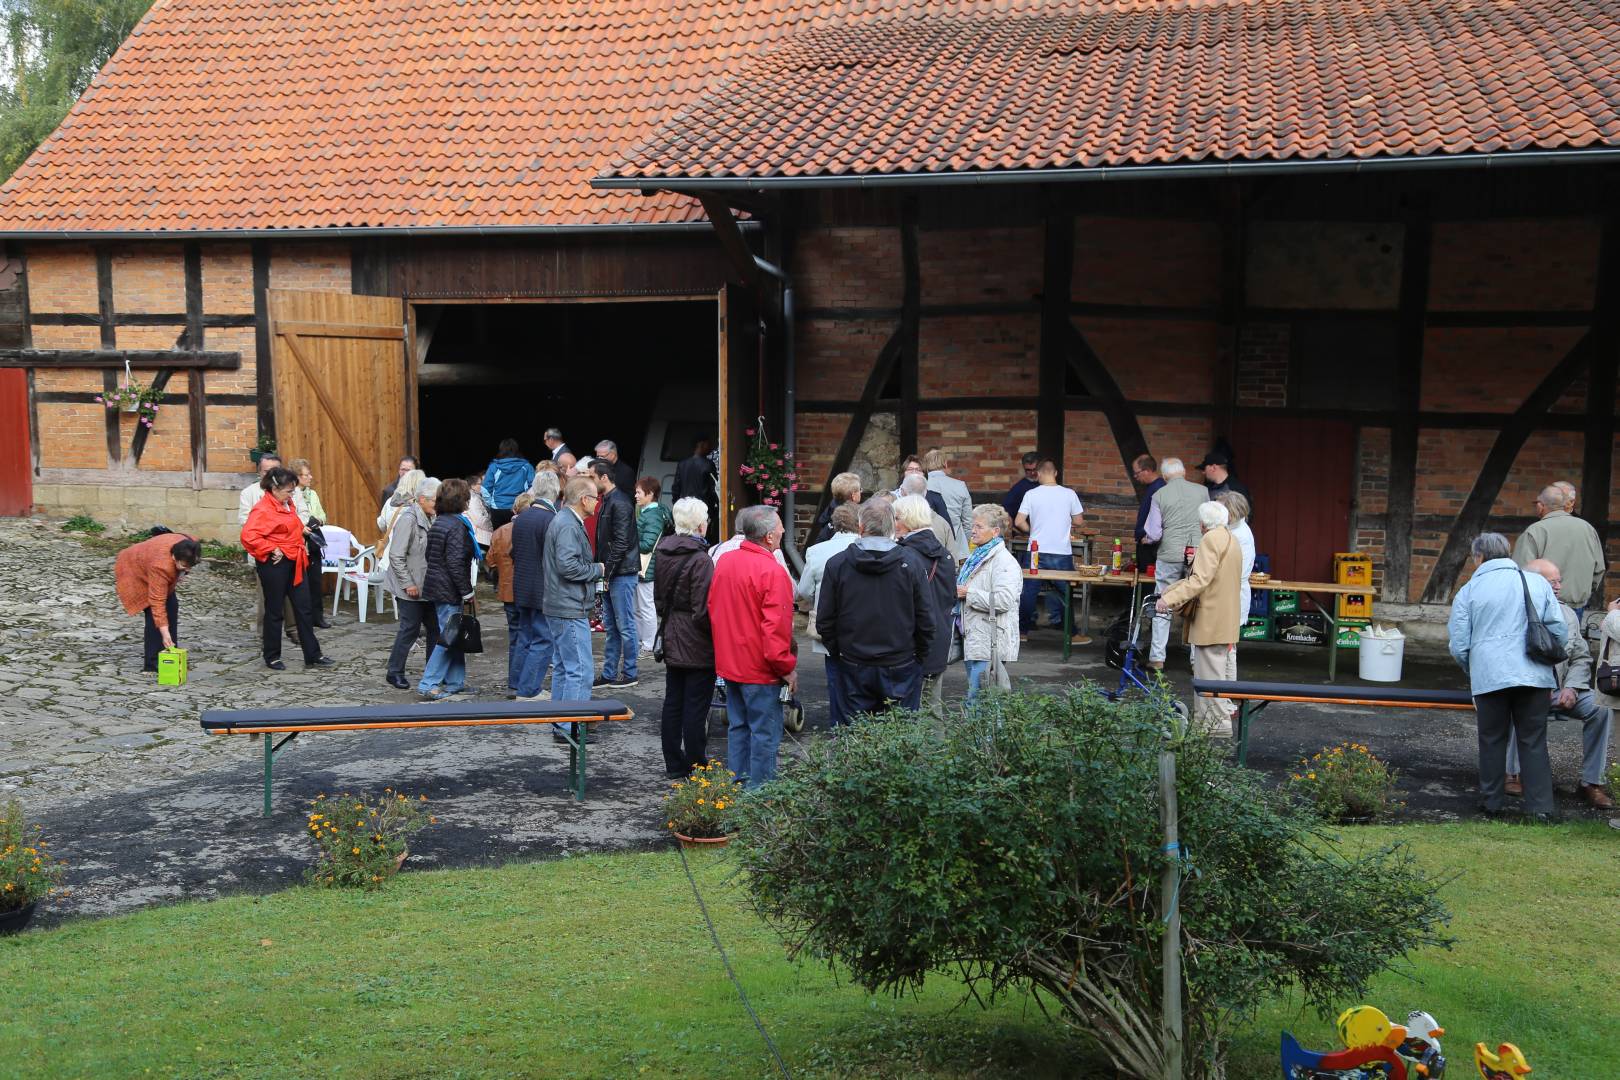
[(1507, 1063), (1365, 1025)]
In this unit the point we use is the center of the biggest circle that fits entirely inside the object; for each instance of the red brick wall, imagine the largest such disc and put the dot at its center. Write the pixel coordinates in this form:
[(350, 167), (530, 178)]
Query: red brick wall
[(848, 267), (844, 352), (984, 445), (310, 266), (1514, 265), (1135, 261), (1492, 370), (971, 355), (972, 266), (1262, 365)]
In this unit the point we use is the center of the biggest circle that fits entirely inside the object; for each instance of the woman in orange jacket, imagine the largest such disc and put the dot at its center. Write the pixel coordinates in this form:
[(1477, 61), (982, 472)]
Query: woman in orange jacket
[(274, 536), (146, 575)]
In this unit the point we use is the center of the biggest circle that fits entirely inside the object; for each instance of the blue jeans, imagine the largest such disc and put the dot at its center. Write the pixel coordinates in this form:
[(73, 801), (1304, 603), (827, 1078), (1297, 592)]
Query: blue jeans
[(1033, 587), (877, 690), (754, 731), (446, 670), (571, 640), (534, 651), (619, 620), (513, 665), (836, 713), (976, 671)]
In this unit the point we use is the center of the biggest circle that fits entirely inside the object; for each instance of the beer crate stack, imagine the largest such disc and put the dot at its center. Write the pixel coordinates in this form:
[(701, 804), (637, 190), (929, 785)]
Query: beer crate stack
[(1354, 610)]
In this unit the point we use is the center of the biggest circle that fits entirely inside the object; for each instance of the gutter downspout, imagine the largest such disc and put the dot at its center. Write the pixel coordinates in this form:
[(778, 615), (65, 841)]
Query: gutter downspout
[(790, 502)]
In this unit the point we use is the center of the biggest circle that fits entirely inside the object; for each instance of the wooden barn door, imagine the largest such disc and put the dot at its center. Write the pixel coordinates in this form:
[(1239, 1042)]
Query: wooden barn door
[(342, 400), (1300, 473), (16, 454), (739, 396)]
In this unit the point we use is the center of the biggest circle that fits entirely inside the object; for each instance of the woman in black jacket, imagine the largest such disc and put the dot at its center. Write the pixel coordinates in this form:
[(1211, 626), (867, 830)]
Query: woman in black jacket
[(913, 518), (681, 597), (447, 586)]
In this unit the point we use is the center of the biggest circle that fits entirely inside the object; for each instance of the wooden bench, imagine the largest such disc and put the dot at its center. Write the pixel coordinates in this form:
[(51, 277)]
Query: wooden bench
[(1254, 696), (265, 724)]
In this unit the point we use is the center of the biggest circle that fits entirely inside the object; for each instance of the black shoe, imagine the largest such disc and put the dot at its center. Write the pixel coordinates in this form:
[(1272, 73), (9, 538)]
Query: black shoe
[(275, 665), (324, 624), (320, 661), (398, 682), (623, 682), (601, 681)]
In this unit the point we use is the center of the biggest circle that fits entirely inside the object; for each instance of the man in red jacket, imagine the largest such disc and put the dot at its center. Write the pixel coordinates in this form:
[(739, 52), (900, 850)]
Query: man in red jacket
[(751, 613)]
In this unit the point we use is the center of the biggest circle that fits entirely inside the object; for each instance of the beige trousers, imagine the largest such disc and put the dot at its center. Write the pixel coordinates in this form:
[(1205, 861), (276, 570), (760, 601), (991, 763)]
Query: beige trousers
[(1217, 662)]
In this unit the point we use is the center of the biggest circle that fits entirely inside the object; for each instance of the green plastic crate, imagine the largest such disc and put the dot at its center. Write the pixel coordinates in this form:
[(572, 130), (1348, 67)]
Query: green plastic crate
[(1256, 628), (1284, 603), (1350, 632)]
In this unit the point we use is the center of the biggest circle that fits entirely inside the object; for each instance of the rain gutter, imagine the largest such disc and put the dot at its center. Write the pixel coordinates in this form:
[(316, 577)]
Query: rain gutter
[(349, 232)]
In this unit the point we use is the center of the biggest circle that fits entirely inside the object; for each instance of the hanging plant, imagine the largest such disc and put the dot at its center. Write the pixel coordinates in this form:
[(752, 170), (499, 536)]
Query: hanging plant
[(130, 396), (769, 468)]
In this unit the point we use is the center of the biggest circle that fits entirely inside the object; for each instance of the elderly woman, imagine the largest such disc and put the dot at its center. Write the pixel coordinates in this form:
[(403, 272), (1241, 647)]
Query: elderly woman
[(988, 586), (914, 522), (274, 537), (846, 490), (653, 523), (1490, 620), (404, 495), (307, 502), (405, 576), (500, 567), (1216, 582), (846, 526), (681, 598), (1237, 523), (146, 575), (447, 584)]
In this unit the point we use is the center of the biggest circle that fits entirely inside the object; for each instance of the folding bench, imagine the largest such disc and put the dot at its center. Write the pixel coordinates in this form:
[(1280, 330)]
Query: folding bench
[(1254, 696), (265, 724)]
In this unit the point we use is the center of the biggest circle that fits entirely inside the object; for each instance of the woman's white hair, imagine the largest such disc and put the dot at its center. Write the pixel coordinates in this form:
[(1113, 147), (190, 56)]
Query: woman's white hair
[(690, 516), (1172, 467), (1212, 515), (428, 488), (914, 513), (546, 486)]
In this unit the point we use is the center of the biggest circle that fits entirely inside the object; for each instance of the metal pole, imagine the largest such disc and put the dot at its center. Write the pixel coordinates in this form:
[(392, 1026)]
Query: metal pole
[(1169, 899)]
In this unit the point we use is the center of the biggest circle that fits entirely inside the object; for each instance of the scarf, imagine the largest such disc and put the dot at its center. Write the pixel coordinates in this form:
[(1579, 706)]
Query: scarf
[(970, 566)]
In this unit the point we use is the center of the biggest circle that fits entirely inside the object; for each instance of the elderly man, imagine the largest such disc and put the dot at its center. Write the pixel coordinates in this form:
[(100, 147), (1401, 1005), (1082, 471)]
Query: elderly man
[(751, 614), (554, 443), (407, 464), (570, 575), (846, 526), (917, 527), (534, 641), (958, 500), (1049, 514), (1172, 523), (254, 492), (1572, 699), (876, 617), (1568, 543), (1215, 581), (624, 477), (1145, 471)]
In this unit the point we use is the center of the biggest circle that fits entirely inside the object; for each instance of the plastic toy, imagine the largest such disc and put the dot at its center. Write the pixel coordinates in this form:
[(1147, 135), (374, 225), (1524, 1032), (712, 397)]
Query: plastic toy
[(1507, 1063), (1375, 1049)]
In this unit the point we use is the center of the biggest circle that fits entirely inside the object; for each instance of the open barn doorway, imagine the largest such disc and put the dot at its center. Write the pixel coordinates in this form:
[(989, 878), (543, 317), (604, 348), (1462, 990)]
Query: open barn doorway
[(643, 373)]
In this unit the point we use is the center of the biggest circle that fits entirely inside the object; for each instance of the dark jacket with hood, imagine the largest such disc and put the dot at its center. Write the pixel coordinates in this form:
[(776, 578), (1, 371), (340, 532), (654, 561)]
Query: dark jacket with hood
[(876, 609), (617, 546), (939, 571), (681, 596), (449, 561)]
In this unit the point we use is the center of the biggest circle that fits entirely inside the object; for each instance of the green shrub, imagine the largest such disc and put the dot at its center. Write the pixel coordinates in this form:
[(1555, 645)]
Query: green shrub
[(1019, 842), (83, 523), (214, 549), (362, 842), (1347, 782)]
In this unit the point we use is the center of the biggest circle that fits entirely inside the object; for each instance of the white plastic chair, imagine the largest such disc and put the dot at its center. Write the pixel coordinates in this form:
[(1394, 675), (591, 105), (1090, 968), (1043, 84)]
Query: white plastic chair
[(361, 573)]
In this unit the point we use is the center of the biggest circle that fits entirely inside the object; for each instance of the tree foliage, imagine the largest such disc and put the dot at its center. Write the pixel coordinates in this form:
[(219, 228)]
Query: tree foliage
[(53, 49), (1020, 843)]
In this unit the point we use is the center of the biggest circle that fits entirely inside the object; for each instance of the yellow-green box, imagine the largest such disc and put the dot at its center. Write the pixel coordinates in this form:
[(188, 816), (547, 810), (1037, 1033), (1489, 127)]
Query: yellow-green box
[(172, 667)]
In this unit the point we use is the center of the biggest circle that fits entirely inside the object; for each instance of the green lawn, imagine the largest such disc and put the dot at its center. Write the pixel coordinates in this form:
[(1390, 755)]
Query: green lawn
[(601, 966)]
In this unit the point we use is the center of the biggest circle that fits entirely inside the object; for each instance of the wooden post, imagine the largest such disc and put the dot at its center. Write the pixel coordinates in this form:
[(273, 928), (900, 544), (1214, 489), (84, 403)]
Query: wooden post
[(109, 339), (1597, 467), (910, 327), (1403, 434), (1057, 271), (1170, 900)]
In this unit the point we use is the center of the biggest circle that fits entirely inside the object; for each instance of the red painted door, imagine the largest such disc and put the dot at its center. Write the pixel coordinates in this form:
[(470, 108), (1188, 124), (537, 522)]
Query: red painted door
[(16, 456), (1300, 473)]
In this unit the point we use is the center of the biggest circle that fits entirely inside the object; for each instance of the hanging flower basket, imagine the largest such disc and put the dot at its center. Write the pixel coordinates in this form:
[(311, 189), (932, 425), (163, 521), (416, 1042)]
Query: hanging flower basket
[(769, 467), (131, 397)]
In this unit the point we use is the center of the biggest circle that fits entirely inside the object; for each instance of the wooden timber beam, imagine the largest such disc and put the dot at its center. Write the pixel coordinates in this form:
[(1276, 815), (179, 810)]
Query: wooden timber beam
[(882, 369), (910, 326), (1057, 275), (1403, 434), (734, 244), (263, 375), (1095, 377), (1597, 470), (109, 340), (144, 359)]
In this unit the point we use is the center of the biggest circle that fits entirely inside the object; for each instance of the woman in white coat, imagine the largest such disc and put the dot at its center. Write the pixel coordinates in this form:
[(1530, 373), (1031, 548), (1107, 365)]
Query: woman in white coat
[(988, 587), (1237, 523)]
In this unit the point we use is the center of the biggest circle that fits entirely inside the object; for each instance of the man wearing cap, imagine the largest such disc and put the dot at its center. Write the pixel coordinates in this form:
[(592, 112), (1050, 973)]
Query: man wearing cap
[(1218, 478)]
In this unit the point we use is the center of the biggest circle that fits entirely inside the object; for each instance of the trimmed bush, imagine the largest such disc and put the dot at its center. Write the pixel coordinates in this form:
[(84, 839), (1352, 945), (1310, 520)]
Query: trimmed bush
[(1019, 842)]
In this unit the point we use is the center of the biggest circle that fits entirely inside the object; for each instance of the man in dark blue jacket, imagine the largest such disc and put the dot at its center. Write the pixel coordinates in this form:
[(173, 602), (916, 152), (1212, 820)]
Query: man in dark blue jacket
[(534, 646), (618, 548)]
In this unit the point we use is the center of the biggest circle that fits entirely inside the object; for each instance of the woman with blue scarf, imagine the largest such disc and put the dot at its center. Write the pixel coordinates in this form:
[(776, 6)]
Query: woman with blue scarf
[(988, 586)]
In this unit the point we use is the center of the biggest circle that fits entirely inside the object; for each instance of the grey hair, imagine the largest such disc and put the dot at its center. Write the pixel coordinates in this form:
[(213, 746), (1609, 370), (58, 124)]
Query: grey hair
[(1212, 515), (1237, 507), (552, 433), (914, 484), (914, 513), (1172, 467), (1488, 546), (546, 486), (877, 519), (690, 516), (428, 488), (1552, 497), (756, 522), (607, 446)]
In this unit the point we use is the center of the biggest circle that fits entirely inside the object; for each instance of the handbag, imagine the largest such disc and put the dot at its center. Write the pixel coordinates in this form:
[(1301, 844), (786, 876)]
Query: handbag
[(1538, 640), (463, 632), (1607, 676)]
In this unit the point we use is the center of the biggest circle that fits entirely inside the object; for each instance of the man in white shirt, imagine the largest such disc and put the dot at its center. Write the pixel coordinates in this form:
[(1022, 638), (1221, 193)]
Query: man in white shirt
[(253, 492), (1049, 513)]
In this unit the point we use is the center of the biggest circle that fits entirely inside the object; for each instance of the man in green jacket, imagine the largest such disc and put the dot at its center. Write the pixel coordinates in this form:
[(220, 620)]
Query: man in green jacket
[(1569, 543)]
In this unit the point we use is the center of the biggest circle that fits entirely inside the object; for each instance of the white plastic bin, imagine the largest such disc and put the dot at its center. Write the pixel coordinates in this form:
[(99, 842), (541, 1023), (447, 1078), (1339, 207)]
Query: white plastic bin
[(1381, 653)]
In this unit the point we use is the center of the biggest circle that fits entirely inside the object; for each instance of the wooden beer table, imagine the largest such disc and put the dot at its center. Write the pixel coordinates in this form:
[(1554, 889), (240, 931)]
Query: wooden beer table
[(1305, 589)]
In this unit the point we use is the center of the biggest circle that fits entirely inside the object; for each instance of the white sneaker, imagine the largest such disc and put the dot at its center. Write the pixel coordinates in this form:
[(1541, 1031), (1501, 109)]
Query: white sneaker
[(544, 695)]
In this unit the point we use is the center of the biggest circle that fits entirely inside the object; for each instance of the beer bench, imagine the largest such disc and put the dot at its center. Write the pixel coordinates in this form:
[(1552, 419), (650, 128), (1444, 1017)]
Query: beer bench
[(265, 724), (1254, 696)]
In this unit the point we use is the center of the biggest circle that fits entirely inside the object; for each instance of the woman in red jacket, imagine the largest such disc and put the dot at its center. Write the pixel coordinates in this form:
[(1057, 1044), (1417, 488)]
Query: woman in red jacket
[(274, 536)]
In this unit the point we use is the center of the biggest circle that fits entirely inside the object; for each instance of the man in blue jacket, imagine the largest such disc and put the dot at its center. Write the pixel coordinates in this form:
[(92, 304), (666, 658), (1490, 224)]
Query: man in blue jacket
[(534, 644), (570, 576)]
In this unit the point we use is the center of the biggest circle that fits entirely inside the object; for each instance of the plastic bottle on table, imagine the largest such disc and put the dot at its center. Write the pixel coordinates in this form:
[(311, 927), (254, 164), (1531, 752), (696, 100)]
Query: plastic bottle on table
[(1034, 556)]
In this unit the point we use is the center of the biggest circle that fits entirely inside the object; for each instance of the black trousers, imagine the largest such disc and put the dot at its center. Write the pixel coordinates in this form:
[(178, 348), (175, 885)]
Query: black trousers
[(1517, 712), (416, 617), (154, 640), (497, 518), (276, 579), (312, 579), (687, 695)]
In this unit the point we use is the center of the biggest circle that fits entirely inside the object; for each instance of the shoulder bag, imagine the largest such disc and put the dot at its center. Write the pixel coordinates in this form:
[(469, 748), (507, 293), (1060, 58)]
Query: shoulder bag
[(1606, 677), (1538, 640)]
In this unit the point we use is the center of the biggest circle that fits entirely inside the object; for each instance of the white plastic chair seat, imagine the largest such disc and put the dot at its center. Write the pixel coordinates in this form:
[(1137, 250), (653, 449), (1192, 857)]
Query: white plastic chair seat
[(360, 575)]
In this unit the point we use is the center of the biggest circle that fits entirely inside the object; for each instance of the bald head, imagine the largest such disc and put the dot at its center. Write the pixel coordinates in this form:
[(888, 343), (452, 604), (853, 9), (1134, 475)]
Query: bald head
[(1552, 498), (1549, 570)]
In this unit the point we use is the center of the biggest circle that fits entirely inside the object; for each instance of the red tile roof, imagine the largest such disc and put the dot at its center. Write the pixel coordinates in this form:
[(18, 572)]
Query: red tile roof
[(298, 114), (1152, 83)]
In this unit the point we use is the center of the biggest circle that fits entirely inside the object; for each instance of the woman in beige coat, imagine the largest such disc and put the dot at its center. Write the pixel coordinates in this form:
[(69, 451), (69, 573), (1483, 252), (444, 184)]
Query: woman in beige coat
[(1215, 582), (988, 586)]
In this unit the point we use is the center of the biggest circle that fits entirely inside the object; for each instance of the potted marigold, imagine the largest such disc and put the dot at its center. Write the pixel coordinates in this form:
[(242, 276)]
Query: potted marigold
[(362, 842), (28, 871), (697, 809), (1345, 783)]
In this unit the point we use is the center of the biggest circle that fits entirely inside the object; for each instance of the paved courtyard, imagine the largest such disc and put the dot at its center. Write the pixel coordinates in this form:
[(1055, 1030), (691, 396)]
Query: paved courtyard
[(148, 808)]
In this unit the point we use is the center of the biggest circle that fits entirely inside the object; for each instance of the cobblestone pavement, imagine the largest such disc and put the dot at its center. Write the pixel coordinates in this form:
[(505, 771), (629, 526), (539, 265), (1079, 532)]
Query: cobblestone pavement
[(146, 808)]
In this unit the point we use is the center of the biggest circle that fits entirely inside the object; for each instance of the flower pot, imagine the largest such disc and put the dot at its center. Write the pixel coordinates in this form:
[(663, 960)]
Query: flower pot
[(15, 920), (701, 841), (130, 406)]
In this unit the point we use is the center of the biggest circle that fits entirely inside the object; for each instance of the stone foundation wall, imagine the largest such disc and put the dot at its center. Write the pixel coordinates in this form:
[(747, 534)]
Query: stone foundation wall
[(209, 514)]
